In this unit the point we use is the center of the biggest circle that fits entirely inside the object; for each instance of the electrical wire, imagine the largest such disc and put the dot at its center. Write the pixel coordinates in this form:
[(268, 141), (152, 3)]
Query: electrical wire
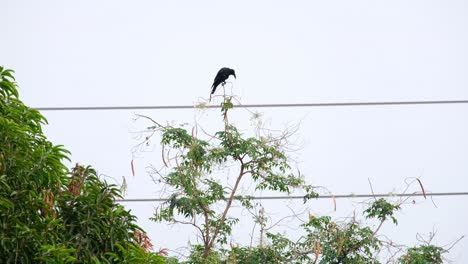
[(321, 196), (161, 107)]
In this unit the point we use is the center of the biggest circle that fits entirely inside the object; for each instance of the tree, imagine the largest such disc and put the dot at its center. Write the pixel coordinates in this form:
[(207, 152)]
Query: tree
[(49, 214), (196, 190), (192, 168)]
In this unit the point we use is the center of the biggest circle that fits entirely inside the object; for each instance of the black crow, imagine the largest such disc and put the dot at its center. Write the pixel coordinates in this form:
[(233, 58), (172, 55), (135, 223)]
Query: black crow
[(221, 78)]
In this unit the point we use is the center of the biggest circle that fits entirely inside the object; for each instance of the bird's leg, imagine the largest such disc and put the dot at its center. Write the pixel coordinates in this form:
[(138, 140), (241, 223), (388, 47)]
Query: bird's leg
[(224, 90)]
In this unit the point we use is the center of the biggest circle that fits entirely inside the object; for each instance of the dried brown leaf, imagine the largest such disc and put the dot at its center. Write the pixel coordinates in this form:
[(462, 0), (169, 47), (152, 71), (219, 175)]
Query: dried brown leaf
[(422, 188), (133, 168)]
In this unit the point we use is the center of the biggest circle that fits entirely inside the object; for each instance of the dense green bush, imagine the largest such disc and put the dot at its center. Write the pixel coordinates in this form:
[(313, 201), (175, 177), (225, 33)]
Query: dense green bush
[(51, 215)]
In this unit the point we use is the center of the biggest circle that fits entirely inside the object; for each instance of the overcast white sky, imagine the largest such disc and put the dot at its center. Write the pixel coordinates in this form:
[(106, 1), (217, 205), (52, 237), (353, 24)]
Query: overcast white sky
[(120, 53)]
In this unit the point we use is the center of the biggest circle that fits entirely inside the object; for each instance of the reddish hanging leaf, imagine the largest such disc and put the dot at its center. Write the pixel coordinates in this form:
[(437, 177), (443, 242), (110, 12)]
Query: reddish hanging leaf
[(163, 252), (422, 188), (133, 168), (143, 240)]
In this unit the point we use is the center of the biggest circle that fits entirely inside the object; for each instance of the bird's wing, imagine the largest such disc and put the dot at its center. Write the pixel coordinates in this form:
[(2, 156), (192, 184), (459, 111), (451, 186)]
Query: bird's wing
[(215, 85)]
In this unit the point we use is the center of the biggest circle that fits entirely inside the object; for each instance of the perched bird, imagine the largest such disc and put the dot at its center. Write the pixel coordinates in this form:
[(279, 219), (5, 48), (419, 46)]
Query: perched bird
[(221, 78)]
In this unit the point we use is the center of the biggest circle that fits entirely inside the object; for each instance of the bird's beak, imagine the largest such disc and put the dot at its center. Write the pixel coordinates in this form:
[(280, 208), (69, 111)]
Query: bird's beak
[(234, 75)]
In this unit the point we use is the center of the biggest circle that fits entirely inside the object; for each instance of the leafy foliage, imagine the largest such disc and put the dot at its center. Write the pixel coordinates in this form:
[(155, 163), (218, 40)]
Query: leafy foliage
[(47, 214), (326, 241), (254, 255), (31, 169), (423, 254), (382, 210)]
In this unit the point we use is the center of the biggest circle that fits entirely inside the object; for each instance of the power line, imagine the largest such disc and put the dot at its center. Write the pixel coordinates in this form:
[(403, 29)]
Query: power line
[(338, 196), (160, 107)]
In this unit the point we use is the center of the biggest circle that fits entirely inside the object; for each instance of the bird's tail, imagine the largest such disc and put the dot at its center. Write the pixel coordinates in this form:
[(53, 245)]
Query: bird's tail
[(213, 89)]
